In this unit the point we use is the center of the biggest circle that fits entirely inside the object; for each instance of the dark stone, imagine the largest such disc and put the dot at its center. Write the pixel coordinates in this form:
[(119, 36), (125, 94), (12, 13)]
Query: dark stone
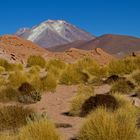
[(113, 78), (63, 125), (93, 102)]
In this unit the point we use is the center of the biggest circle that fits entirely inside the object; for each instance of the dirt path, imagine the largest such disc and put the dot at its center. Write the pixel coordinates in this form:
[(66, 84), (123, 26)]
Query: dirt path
[(55, 104)]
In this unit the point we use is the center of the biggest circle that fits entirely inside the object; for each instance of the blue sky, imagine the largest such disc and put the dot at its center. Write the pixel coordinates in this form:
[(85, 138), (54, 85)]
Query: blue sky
[(96, 16)]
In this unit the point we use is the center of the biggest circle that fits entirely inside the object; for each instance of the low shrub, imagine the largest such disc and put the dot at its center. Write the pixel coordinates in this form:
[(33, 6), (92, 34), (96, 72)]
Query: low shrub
[(36, 60), (83, 93), (93, 102), (39, 130), (105, 125), (13, 117), (28, 93), (123, 86)]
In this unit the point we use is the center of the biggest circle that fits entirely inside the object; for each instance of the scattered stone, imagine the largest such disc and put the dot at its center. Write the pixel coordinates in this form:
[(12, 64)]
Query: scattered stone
[(63, 125)]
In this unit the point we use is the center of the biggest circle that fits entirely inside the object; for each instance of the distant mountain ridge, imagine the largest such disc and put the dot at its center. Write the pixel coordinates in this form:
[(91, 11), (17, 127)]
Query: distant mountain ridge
[(119, 45), (59, 35), (54, 32)]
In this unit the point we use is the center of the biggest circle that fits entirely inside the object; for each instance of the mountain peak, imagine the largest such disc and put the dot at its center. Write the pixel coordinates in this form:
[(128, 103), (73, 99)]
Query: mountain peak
[(54, 32)]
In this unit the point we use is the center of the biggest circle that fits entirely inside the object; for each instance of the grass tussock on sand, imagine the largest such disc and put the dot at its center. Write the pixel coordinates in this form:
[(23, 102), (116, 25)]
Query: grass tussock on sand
[(83, 93), (13, 117), (42, 129), (105, 125)]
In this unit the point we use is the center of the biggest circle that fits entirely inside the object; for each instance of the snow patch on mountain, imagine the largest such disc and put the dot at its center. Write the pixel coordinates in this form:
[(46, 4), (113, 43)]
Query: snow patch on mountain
[(54, 32)]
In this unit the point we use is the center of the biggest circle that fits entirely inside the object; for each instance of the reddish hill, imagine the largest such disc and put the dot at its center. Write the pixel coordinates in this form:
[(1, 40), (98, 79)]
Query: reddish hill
[(118, 45), (74, 54), (17, 49)]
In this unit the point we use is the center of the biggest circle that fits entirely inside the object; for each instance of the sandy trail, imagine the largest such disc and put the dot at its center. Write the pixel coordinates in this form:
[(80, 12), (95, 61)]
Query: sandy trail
[(55, 104)]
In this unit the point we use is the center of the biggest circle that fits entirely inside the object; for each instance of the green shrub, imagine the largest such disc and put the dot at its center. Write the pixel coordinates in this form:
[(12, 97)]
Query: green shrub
[(13, 117), (105, 125), (28, 94), (36, 60), (39, 130), (122, 86), (83, 93), (8, 94)]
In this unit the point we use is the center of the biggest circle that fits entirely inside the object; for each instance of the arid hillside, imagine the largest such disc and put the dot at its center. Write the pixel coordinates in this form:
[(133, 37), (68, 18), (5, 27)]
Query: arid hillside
[(16, 49), (118, 45)]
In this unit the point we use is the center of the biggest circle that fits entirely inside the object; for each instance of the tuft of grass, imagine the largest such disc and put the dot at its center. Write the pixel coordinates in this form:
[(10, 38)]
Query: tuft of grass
[(122, 86), (2, 69), (136, 77), (71, 75), (36, 60), (7, 137), (83, 93), (17, 78), (10, 66), (121, 67), (49, 82), (13, 117), (8, 94), (34, 69), (55, 63), (39, 130), (105, 125)]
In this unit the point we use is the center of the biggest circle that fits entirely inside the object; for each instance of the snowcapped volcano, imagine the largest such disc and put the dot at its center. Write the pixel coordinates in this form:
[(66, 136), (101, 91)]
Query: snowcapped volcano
[(54, 32)]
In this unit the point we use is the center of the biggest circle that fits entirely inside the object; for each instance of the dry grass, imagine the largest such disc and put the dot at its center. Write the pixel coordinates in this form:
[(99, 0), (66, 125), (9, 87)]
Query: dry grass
[(17, 78), (36, 60), (122, 86), (39, 130), (8, 94), (13, 117), (105, 125), (83, 93)]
